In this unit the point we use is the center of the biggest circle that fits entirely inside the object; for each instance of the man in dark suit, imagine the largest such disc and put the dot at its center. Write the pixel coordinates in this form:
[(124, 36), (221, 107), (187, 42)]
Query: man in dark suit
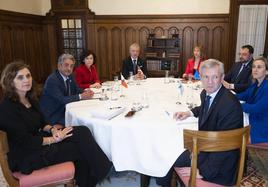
[(60, 89), (219, 110), (238, 78), (134, 63)]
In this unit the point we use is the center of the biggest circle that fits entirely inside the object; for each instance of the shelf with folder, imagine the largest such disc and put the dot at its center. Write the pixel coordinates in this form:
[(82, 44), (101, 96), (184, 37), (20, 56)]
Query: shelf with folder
[(162, 54), (163, 47)]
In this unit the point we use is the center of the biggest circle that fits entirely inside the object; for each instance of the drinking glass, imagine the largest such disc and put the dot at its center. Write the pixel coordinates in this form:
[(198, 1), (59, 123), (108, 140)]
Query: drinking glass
[(145, 100), (116, 83), (116, 78), (180, 91), (115, 93), (131, 78), (136, 104), (103, 95), (166, 80)]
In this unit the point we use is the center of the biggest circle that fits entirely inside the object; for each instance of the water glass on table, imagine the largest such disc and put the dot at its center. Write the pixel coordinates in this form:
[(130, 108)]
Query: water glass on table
[(115, 93), (104, 96), (180, 91), (136, 105), (145, 100), (131, 78), (166, 79)]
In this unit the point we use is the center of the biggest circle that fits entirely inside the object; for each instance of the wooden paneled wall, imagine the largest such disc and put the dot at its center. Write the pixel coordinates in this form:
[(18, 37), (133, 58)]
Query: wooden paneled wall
[(113, 35), (34, 38), (24, 36)]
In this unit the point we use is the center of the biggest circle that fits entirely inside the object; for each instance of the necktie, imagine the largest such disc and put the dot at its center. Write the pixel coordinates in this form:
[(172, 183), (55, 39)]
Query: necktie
[(68, 90), (241, 69), (206, 108), (134, 67)]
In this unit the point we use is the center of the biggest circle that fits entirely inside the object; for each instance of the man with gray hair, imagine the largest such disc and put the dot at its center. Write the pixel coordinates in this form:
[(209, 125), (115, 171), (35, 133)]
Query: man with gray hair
[(134, 64), (219, 110), (60, 89)]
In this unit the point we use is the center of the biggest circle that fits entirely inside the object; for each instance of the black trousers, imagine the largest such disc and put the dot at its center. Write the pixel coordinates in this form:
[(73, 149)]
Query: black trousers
[(91, 164), (182, 161)]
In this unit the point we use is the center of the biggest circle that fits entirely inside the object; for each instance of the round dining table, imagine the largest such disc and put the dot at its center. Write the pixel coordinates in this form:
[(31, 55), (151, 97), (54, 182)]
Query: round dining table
[(149, 141)]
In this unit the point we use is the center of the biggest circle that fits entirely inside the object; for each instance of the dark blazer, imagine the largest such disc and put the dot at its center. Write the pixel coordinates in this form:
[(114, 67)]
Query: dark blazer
[(128, 66), (55, 97), (24, 138), (225, 113), (243, 80), (257, 107)]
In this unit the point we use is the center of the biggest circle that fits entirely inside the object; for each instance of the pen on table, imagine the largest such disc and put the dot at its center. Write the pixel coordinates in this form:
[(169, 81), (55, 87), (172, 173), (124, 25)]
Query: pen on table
[(167, 113), (115, 107)]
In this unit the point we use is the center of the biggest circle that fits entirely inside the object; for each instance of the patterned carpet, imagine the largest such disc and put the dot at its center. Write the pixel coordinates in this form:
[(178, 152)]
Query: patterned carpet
[(252, 177)]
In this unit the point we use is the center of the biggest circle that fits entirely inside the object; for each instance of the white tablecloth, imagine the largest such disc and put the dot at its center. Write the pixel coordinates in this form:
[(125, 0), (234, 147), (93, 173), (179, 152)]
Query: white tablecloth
[(150, 141)]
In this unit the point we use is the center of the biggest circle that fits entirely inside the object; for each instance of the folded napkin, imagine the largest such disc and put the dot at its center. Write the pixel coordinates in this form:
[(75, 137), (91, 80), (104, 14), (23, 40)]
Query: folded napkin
[(95, 90), (107, 113), (187, 120)]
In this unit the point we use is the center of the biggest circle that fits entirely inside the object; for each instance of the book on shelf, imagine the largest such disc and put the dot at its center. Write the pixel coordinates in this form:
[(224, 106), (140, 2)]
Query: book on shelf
[(153, 65), (150, 42), (174, 55), (151, 54)]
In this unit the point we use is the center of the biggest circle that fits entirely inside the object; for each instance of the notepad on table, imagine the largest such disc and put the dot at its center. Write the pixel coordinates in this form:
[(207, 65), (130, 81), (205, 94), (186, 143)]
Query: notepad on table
[(187, 120), (107, 113)]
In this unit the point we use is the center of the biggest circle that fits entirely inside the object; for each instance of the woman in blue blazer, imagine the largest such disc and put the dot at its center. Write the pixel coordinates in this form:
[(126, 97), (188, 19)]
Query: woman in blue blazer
[(256, 101)]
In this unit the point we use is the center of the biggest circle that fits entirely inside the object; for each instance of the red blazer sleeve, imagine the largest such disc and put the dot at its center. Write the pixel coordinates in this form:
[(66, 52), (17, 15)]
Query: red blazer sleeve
[(79, 77), (95, 75), (84, 77), (189, 67)]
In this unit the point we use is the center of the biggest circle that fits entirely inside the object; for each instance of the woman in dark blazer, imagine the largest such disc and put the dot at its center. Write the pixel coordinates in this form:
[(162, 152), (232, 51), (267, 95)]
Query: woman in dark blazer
[(34, 144), (256, 101)]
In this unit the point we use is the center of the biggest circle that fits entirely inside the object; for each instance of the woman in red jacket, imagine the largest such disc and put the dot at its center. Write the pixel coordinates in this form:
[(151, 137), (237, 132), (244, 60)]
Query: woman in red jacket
[(86, 74), (193, 64)]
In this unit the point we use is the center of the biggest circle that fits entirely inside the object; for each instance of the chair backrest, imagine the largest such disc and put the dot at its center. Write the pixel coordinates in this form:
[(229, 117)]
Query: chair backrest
[(3, 160), (216, 141)]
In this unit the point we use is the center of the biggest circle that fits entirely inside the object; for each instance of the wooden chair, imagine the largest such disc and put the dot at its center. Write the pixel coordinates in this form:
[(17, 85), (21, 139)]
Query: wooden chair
[(213, 141), (49, 176)]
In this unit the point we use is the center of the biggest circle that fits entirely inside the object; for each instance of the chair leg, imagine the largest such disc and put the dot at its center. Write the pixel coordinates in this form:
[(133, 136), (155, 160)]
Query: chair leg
[(145, 180)]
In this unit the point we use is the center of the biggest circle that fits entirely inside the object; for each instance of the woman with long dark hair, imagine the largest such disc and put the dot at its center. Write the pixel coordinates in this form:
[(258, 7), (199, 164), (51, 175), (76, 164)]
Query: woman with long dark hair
[(34, 144), (256, 101)]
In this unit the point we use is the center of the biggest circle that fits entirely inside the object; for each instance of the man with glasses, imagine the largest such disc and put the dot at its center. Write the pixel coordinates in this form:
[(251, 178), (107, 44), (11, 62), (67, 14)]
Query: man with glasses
[(238, 78), (60, 89)]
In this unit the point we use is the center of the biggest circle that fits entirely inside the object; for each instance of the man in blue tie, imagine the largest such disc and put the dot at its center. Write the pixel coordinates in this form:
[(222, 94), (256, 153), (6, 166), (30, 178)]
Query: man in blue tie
[(238, 78), (134, 63), (60, 89), (219, 110)]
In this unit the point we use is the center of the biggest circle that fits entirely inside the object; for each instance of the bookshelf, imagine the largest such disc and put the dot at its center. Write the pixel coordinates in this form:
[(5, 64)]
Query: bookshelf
[(162, 54)]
